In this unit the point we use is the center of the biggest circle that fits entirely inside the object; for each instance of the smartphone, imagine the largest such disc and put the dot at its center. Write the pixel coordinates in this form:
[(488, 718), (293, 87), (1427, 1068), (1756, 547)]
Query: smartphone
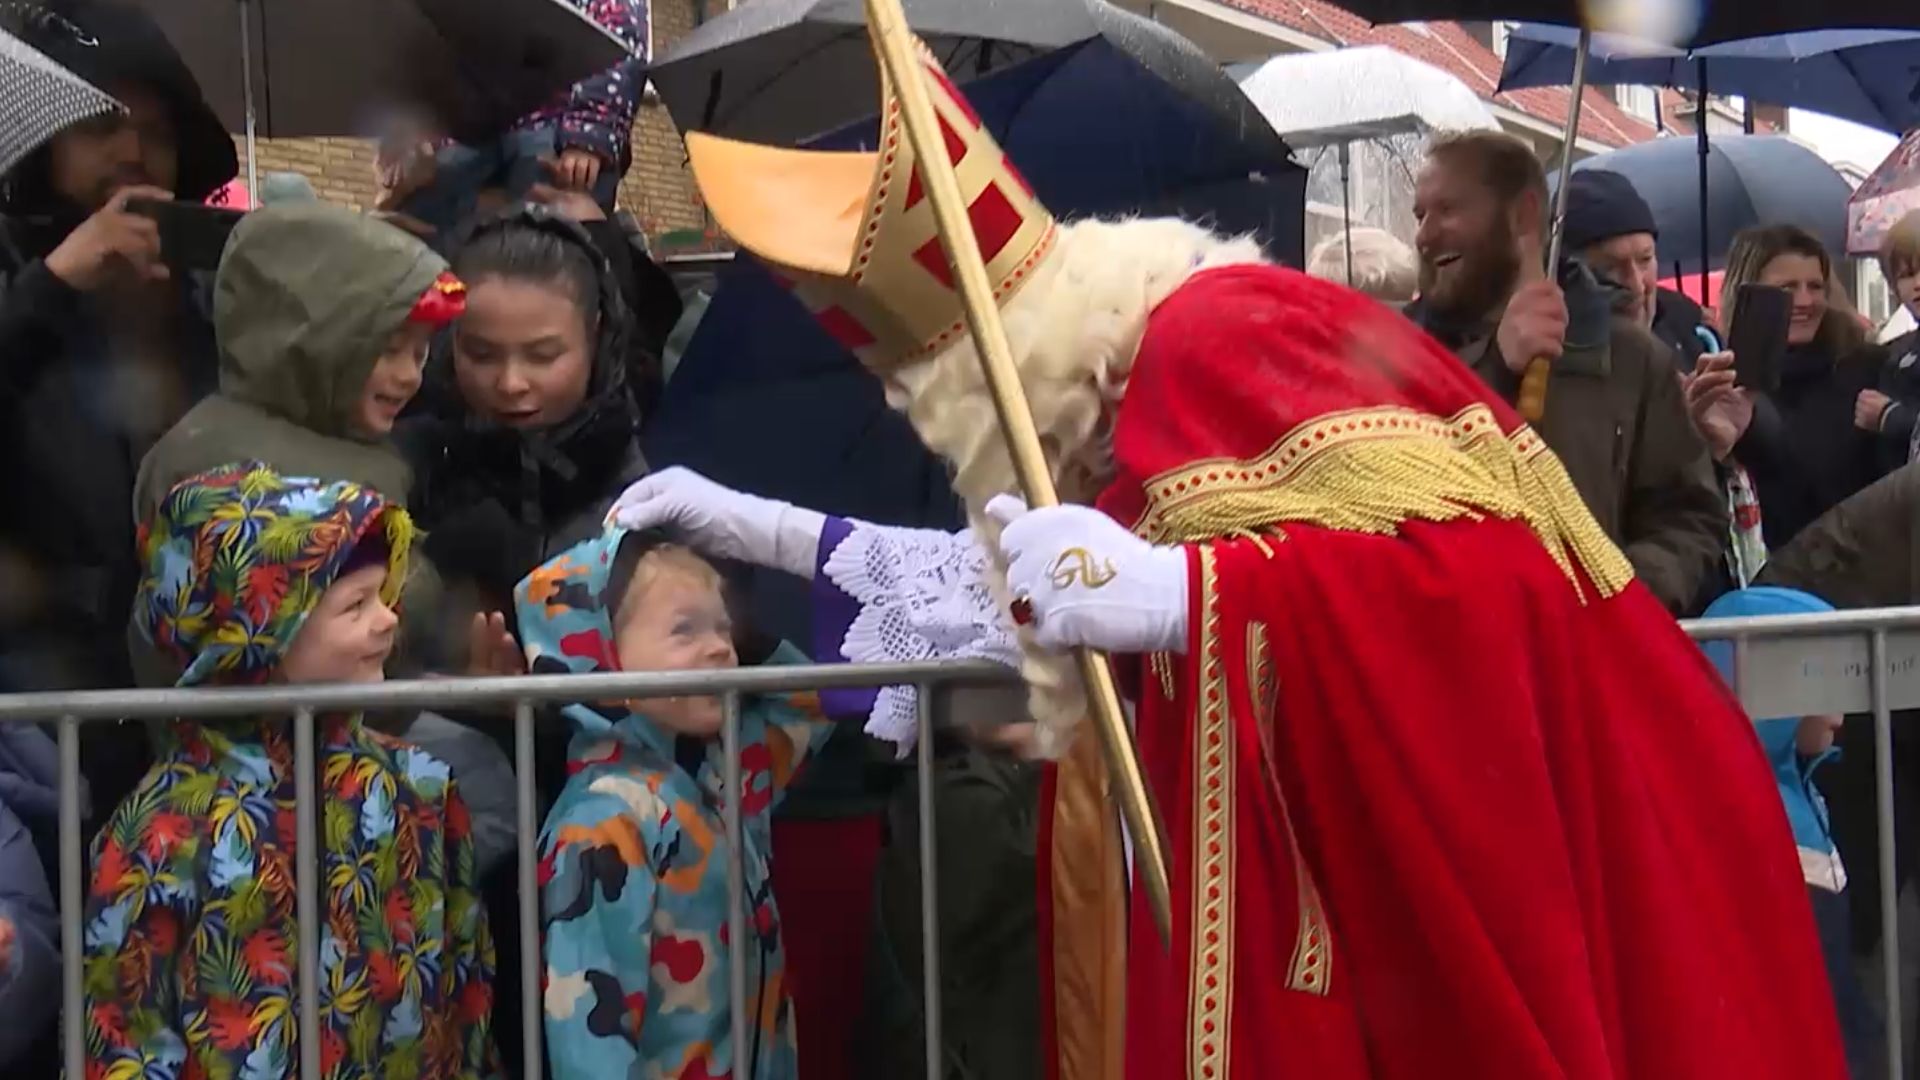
[(192, 235), (1758, 336)]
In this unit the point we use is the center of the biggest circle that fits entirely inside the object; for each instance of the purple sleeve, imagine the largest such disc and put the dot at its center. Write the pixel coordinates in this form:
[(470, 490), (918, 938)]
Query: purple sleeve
[(601, 108), (833, 613)]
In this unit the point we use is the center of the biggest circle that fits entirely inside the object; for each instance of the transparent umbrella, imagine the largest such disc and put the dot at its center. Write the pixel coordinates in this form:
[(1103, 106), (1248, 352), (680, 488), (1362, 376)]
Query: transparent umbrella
[(1359, 118)]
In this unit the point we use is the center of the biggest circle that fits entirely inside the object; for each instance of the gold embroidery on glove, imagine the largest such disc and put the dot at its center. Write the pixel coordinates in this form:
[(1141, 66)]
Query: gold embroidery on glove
[(1079, 564)]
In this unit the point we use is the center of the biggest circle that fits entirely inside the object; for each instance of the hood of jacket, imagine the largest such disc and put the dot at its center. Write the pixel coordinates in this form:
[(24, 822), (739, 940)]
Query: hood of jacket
[(565, 613), (307, 296), (1806, 809), (235, 559)]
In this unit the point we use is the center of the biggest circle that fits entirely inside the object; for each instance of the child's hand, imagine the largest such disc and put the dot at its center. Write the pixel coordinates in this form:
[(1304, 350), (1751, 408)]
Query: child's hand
[(1815, 735), (577, 170), (491, 651)]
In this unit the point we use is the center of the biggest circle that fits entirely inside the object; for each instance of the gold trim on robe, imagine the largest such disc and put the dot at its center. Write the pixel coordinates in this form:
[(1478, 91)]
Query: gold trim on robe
[(1372, 470), (1087, 871), (1210, 993)]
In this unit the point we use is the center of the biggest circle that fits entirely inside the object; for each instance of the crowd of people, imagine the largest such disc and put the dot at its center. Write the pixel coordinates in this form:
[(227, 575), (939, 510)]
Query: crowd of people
[(407, 443)]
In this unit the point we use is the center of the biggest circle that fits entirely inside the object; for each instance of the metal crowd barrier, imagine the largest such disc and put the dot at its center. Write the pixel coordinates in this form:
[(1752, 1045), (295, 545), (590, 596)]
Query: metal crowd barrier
[(1849, 663), (933, 681)]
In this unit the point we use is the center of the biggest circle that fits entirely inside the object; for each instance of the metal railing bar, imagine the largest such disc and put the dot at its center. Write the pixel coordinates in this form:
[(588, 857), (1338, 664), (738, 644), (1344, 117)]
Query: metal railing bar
[(72, 904), (307, 888), (439, 694), (1742, 667), (532, 957), (929, 889), (742, 1067), (1825, 624), (1889, 873)]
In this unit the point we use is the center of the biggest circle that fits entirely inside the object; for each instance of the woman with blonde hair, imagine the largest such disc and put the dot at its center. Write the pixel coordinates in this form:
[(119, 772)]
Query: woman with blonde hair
[(1809, 442)]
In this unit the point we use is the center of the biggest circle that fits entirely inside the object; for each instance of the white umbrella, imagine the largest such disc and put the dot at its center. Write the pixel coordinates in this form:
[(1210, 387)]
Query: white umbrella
[(1369, 95), (38, 99)]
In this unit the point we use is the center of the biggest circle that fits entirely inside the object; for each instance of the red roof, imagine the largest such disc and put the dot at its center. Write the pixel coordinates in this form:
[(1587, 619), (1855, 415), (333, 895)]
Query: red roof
[(1450, 48)]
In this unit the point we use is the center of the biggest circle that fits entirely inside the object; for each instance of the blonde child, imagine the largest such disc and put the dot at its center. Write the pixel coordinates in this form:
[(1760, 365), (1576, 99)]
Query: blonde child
[(634, 856)]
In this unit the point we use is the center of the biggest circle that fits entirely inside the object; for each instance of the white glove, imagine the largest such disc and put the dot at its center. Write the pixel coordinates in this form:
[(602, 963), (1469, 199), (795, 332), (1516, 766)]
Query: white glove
[(724, 523), (1091, 582)]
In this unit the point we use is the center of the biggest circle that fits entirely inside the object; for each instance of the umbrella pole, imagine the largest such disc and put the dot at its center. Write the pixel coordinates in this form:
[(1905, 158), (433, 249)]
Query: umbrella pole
[(1346, 209), (1533, 385), (894, 42), (1702, 145), (246, 91)]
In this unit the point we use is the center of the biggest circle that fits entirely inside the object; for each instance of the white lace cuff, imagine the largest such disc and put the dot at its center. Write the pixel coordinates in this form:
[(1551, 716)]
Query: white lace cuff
[(922, 595)]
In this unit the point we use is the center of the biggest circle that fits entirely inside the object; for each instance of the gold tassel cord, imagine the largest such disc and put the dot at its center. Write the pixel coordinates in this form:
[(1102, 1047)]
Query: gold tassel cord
[(1373, 470)]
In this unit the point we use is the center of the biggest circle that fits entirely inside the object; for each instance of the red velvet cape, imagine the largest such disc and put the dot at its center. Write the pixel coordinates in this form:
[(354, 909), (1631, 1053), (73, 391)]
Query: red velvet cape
[(1439, 804)]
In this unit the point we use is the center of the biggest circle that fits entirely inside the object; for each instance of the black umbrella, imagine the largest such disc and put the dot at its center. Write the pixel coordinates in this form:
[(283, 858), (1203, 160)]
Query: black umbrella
[(290, 68), (1715, 20), (783, 72), (1755, 179)]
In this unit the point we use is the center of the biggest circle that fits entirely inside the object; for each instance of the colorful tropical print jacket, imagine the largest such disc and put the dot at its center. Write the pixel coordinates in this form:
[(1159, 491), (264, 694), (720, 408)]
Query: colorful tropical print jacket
[(191, 943), (633, 862)]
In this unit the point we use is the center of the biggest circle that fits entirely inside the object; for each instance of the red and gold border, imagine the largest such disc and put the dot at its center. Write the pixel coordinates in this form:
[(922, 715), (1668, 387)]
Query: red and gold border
[(1210, 992)]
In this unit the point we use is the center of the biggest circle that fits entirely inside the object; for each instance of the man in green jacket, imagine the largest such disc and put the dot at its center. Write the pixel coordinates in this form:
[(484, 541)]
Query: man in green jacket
[(1614, 414)]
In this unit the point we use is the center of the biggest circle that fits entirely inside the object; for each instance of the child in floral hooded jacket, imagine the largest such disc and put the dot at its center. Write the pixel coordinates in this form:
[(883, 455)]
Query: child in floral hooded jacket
[(190, 945), (634, 857)]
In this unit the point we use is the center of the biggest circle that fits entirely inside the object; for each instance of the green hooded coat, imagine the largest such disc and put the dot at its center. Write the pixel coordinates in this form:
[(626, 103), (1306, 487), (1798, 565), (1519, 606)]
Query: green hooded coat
[(306, 299)]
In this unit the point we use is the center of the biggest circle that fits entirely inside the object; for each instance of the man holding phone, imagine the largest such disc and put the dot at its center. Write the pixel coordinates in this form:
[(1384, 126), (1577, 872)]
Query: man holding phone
[(1614, 414), (101, 349)]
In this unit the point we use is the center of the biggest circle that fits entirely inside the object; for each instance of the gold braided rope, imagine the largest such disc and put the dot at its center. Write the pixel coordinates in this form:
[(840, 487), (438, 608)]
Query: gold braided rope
[(1370, 470)]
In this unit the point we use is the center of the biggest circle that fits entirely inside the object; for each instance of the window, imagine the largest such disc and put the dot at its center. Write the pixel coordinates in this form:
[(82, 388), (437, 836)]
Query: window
[(1642, 102)]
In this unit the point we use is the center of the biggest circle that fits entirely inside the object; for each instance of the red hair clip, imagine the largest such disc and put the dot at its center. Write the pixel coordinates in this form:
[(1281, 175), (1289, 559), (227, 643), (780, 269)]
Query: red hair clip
[(442, 303)]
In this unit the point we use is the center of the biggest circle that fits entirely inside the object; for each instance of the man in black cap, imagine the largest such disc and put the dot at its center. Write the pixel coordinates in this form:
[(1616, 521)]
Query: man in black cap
[(1611, 227)]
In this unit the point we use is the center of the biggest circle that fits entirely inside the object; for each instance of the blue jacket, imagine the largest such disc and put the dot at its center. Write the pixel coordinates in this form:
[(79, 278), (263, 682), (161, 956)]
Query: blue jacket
[(29, 820), (1793, 772)]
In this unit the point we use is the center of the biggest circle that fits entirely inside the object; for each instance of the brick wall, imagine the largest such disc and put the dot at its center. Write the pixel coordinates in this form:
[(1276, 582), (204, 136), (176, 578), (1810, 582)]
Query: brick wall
[(658, 189)]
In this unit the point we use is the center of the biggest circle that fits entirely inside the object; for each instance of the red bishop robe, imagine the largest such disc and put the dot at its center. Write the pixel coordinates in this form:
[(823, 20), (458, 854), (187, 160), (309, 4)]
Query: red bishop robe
[(1446, 793)]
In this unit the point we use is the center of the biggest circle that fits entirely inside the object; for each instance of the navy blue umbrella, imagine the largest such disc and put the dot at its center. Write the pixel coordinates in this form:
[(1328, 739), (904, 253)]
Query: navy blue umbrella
[(765, 400), (1871, 77), (1754, 179)]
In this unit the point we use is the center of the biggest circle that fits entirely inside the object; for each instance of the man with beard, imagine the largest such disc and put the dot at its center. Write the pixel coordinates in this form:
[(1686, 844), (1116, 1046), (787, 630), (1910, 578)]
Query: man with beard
[(101, 350), (1445, 792), (1614, 414)]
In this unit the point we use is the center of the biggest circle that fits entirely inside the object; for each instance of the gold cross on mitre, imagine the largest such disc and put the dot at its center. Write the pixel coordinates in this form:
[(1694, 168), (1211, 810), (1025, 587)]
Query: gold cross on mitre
[(855, 236)]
